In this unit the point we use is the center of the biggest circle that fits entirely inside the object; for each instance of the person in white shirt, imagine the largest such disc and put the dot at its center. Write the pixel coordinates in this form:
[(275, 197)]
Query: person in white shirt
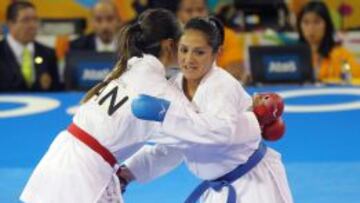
[(245, 171), (105, 22), (81, 165)]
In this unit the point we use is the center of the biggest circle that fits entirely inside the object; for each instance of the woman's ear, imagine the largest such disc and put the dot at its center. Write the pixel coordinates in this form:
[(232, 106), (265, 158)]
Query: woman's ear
[(173, 47), (168, 48), (168, 45), (168, 51), (173, 44)]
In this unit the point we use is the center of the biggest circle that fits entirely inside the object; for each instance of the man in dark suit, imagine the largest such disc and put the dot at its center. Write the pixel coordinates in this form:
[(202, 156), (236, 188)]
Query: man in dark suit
[(105, 22), (26, 65)]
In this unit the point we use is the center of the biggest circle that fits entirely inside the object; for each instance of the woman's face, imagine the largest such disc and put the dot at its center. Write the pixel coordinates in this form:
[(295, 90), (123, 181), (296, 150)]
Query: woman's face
[(195, 55), (313, 28)]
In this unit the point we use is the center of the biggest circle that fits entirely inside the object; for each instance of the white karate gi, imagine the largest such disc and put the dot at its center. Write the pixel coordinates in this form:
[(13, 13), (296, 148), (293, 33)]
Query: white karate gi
[(72, 172), (219, 94)]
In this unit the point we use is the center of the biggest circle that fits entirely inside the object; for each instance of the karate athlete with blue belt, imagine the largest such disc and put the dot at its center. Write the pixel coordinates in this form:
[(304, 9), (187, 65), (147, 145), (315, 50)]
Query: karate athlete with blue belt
[(243, 170)]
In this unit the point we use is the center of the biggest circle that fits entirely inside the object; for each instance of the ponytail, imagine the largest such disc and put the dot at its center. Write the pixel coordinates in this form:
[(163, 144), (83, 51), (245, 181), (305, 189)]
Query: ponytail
[(219, 28), (127, 48)]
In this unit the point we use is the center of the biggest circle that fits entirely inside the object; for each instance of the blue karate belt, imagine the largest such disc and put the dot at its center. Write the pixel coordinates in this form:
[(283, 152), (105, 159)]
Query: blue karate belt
[(227, 179)]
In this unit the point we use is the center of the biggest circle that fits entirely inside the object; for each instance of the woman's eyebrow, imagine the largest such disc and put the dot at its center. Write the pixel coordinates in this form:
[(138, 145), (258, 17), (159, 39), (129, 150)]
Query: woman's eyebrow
[(196, 48)]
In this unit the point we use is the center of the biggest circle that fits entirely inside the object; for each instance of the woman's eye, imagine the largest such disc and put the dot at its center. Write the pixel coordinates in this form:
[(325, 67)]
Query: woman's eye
[(183, 50), (199, 52)]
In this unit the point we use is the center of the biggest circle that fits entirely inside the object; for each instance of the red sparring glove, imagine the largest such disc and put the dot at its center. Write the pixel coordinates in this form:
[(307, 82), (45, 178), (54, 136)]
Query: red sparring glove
[(267, 107), (274, 131)]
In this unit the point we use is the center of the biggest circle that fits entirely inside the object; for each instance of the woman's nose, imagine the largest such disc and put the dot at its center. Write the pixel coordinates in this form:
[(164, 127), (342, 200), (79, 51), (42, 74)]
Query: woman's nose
[(188, 58)]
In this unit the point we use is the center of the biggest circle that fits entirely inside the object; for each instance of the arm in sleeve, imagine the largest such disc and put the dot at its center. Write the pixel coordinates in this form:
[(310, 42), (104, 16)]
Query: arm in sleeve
[(182, 125), (156, 159)]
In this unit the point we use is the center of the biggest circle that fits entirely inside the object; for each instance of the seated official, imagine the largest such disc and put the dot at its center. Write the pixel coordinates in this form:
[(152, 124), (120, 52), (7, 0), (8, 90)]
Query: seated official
[(105, 22), (317, 30), (26, 65)]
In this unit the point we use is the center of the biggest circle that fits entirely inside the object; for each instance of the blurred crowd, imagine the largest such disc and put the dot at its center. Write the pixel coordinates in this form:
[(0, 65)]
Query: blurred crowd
[(27, 65)]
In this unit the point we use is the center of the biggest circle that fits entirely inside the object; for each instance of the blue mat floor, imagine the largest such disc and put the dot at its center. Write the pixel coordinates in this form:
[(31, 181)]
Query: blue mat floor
[(310, 183), (320, 150)]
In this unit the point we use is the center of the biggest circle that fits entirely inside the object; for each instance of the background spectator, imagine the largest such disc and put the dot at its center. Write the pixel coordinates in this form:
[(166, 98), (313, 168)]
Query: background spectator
[(316, 29), (24, 63), (105, 22)]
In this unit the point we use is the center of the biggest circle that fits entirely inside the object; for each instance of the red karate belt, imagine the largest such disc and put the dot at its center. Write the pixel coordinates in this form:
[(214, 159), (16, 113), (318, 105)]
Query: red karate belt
[(91, 142)]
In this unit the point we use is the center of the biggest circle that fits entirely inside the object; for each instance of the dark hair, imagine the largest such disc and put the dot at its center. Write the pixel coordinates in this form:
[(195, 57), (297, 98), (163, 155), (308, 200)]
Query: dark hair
[(142, 36), (13, 9), (211, 27), (321, 10)]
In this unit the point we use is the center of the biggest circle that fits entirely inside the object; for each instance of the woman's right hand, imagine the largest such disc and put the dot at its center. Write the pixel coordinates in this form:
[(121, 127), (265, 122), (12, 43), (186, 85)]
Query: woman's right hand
[(125, 177)]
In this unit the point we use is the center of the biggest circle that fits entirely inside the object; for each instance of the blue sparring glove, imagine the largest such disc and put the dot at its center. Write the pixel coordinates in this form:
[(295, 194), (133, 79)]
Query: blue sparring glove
[(149, 108)]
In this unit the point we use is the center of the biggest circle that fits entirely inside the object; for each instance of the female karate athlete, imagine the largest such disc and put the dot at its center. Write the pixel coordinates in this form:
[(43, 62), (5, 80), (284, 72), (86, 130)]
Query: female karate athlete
[(245, 171), (81, 166)]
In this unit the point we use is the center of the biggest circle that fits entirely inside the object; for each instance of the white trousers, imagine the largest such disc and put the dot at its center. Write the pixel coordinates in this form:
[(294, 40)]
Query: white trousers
[(265, 183), (71, 172)]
